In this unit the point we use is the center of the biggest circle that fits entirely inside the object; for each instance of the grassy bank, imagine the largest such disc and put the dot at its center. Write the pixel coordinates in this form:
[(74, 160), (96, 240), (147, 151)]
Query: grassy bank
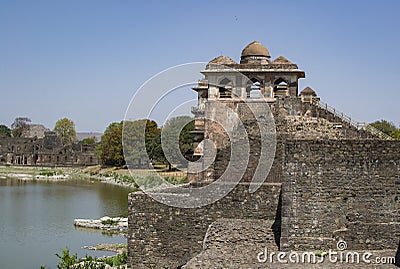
[(112, 175), (145, 177), (29, 172)]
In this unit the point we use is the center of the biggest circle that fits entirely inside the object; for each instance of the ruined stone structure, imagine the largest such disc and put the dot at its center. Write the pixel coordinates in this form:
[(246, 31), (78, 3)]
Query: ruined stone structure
[(331, 179), (34, 130), (46, 151)]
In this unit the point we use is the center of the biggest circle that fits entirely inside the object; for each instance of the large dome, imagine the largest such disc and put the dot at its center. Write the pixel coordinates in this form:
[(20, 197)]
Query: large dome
[(255, 48)]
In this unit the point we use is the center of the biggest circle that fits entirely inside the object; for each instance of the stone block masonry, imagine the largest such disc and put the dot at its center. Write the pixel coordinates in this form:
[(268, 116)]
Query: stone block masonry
[(231, 243), (341, 190), (161, 236), (330, 179)]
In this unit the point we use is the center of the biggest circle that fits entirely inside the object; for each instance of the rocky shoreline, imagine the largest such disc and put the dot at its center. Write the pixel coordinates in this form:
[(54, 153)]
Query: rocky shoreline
[(117, 248), (118, 224), (58, 174)]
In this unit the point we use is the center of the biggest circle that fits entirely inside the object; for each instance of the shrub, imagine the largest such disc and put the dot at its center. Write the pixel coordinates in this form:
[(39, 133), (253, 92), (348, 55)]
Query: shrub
[(118, 260), (109, 222), (69, 261), (66, 259)]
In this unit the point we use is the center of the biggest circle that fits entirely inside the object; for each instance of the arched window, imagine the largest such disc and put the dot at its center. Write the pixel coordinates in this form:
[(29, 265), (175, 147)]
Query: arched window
[(225, 88), (282, 83), (253, 88), (281, 88)]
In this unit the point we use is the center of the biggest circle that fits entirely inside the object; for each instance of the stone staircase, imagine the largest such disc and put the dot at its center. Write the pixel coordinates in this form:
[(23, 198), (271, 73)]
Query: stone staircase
[(358, 125)]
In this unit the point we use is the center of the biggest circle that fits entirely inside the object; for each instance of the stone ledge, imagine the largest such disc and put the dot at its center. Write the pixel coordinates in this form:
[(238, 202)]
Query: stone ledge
[(114, 224)]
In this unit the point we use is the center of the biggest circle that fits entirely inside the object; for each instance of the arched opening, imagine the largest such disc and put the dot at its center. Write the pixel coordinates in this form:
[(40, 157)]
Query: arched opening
[(281, 88), (225, 88), (253, 89)]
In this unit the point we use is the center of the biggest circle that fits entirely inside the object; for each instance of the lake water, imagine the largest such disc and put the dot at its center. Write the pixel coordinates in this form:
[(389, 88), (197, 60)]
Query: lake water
[(36, 219)]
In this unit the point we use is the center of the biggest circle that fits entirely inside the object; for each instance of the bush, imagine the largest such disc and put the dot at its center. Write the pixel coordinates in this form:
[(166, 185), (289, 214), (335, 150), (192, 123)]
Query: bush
[(69, 261), (118, 260), (66, 259), (109, 222), (50, 173), (47, 173)]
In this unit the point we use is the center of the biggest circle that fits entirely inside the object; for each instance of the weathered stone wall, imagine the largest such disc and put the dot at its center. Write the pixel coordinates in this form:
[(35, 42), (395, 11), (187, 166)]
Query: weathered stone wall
[(250, 115), (341, 189), (235, 243), (317, 112), (290, 123), (298, 127), (161, 236), (46, 151)]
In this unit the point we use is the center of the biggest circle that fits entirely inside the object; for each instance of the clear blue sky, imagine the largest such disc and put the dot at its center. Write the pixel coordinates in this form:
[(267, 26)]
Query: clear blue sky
[(85, 59)]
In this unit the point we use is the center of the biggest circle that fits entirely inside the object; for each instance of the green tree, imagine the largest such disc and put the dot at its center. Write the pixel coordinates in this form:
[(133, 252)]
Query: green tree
[(384, 126), (88, 141), (395, 135), (65, 130), (165, 144), (186, 138), (5, 131), (138, 139), (110, 149), (155, 151), (19, 125)]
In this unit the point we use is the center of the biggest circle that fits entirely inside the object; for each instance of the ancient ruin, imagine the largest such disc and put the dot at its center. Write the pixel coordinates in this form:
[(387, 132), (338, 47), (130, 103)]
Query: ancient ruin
[(332, 179), (40, 147)]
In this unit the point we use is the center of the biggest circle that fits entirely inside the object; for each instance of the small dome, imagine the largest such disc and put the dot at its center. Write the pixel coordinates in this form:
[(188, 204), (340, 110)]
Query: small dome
[(222, 60), (307, 92), (255, 48), (281, 60)]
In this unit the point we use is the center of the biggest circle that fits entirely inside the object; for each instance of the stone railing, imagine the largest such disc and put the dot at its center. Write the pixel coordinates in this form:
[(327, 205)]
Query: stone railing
[(197, 110), (356, 124), (203, 83)]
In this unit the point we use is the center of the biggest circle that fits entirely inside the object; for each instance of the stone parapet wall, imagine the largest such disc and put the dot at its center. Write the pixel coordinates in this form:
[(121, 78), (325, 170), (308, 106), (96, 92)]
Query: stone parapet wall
[(298, 127), (341, 190), (318, 112), (235, 243), (161, 236)]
